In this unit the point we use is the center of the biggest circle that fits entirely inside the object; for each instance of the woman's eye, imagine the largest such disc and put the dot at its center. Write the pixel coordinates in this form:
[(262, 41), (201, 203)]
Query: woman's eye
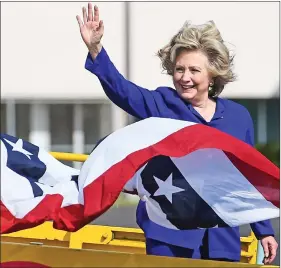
[(179, 69), (194, 70)]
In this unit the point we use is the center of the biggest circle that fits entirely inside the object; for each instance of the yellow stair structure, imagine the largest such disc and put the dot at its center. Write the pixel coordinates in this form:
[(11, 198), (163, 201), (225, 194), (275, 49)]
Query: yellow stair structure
[(100, 246)]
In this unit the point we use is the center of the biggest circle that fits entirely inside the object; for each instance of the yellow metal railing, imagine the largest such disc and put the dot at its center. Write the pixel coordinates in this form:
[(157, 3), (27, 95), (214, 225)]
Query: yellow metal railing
[(69, 156), (106, 238)]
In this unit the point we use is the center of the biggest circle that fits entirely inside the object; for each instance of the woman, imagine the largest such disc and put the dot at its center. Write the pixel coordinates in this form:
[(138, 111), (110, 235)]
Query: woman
[(200, 65)]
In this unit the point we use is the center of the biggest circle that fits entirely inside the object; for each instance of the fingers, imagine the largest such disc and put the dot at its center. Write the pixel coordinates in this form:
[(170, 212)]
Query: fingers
[(79, 21), (90, 12), (266, 251), (272, 254), (84, 15), (271, 258), (270, 250), (265, 261), (96, 14)]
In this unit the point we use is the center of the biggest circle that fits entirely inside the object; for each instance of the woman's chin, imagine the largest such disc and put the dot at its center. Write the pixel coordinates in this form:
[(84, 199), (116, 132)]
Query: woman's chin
[(188, 95)]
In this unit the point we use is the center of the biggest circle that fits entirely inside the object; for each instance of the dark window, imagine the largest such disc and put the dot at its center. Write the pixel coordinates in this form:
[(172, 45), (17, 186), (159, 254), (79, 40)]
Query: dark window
[(3, 118), (273, 120), (23, 121)]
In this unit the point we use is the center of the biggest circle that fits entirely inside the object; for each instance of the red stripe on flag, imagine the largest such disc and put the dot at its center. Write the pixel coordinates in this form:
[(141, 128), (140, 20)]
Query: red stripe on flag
[(48, 209)]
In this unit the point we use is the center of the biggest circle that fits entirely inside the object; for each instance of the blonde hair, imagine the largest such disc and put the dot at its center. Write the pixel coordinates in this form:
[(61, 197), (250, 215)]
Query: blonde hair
[(208, 40)]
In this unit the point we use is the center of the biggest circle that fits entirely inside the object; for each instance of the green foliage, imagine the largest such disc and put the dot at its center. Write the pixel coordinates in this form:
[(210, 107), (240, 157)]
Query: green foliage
[(270, 151)]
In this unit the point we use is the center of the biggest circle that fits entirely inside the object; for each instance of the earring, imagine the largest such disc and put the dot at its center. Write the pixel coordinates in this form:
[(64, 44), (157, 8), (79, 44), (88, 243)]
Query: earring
[(211, 86)]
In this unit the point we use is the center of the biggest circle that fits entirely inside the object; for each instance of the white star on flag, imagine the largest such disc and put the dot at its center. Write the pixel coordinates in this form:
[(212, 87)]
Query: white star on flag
[(166, 187), (18, 147)]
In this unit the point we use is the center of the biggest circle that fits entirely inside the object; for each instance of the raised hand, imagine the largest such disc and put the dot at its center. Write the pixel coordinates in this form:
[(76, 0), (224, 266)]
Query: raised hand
[(91, 29)]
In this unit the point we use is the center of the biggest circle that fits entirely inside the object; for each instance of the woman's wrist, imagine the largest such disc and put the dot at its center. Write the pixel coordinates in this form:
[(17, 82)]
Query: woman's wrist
[(94, 50)]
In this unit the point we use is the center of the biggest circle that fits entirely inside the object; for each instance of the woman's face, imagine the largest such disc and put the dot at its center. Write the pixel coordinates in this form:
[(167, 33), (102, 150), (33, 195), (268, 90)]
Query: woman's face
[(191, 77)]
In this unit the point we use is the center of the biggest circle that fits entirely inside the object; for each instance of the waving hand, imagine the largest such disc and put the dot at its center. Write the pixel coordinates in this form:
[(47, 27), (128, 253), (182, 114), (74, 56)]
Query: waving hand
[(91, 29)]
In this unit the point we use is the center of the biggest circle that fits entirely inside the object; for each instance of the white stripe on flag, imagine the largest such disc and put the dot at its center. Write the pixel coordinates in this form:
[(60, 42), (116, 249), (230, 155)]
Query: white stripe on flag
[(219, 183), (57, 179), (56, 172)]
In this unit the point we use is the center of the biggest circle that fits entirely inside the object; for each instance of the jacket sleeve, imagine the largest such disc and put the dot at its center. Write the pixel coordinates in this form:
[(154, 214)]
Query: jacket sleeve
[(261, 228), (135, 100)]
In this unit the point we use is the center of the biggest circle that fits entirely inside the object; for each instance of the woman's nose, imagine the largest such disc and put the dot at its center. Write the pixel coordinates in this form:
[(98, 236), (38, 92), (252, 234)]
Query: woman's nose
[(185, 77)]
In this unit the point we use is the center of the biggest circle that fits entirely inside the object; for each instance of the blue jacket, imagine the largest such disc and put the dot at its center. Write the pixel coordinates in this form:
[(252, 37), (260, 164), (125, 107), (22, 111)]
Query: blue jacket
[(164, 102)]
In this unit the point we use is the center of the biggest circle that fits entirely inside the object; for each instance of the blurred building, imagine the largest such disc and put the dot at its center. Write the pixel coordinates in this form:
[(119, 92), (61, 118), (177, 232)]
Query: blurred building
[(48, 98)]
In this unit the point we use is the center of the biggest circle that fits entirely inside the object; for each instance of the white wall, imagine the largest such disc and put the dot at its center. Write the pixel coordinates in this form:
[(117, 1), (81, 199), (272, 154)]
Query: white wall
[(42, 52), (43, 55)]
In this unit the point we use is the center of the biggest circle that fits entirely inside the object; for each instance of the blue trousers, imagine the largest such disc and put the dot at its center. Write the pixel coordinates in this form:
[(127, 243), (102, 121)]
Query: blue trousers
[(158, 248)]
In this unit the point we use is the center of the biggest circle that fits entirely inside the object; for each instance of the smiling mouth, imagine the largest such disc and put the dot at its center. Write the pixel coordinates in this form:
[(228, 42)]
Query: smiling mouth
[(187, 87)]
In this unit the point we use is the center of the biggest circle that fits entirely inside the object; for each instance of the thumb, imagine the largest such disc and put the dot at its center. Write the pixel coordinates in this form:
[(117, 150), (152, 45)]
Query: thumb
[(266, 250), (80, 23)]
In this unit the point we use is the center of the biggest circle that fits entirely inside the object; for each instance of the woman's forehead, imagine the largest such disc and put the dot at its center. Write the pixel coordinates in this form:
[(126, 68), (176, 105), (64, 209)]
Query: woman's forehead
[(194, 58)]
